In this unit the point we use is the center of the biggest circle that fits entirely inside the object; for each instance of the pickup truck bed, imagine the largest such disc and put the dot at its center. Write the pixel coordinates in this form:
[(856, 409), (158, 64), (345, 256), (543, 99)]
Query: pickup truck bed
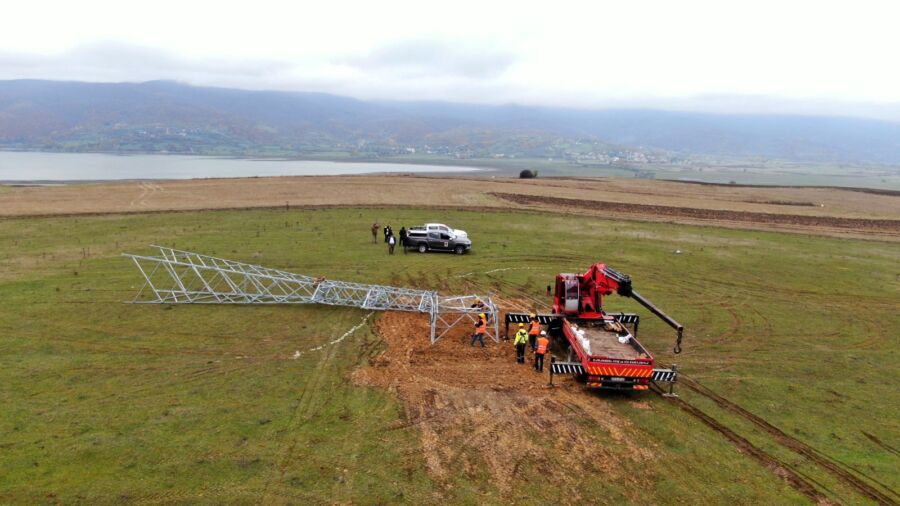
[(610, 364)]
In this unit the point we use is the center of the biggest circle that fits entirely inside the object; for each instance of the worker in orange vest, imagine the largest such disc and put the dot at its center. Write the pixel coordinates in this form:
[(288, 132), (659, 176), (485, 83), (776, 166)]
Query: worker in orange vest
[(480, 329), (543, 345), (533, 330)]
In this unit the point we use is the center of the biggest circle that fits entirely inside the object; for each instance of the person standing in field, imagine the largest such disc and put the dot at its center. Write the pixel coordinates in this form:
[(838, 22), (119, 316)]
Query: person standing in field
[(543, 345), (520, 342), (375, 232), (391, 242), (480, 329), (533, 331), (386, 230), (403, 239)]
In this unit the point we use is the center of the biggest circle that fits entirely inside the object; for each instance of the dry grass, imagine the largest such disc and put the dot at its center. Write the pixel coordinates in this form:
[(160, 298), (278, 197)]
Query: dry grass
[(457, 192)]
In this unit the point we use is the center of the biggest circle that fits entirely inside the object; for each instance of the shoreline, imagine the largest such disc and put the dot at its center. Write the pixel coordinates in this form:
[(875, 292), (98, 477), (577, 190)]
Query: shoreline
[(21, 166), (865, 177)]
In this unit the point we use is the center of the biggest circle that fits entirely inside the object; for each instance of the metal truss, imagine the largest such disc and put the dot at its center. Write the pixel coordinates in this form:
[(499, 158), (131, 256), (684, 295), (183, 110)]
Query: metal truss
[(454, 311), (184, 277)]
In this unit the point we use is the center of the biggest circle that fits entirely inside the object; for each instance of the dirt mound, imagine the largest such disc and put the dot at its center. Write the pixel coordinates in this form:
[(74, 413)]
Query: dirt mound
[(884, 226), (477, 410)]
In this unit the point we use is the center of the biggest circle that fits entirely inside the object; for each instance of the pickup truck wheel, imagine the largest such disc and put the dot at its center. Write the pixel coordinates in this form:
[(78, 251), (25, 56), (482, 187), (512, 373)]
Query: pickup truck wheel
[(423, 247), (459, 250)]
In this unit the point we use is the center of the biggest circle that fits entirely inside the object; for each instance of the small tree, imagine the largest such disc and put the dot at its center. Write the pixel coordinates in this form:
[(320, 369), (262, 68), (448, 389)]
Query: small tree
[(528, 174)]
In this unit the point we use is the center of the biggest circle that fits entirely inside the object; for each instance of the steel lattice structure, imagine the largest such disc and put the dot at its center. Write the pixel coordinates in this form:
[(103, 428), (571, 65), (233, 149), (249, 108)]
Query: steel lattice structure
[(184, 277)]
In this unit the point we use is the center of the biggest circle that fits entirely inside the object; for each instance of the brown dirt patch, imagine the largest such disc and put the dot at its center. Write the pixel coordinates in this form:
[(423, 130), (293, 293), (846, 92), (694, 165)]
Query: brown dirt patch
[(885, 226), (479, 411), (622, 198)]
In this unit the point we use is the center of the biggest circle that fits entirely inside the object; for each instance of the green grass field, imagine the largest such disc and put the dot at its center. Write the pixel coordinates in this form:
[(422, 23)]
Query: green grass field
[(105, 402)]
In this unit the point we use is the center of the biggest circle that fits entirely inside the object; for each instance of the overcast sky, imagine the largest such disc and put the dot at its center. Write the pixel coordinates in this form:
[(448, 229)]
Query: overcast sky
[(798, 56)]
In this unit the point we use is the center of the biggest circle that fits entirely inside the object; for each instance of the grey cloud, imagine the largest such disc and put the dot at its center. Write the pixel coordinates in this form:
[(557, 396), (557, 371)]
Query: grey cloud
[(126, 62), (435, 57), (422, 69)]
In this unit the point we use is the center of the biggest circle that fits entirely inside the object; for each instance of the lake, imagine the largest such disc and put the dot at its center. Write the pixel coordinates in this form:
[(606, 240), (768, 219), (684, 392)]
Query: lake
[(17, 166)]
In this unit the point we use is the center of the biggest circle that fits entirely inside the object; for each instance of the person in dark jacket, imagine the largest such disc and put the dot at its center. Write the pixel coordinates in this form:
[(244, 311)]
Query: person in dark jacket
[(403, 238)]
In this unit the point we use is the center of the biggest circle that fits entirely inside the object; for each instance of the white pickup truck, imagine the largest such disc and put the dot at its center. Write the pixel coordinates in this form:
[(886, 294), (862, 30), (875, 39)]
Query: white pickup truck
[(440, 227), (437, 237)]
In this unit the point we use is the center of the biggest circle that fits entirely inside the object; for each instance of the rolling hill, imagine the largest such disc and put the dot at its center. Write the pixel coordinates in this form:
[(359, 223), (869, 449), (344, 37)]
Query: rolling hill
[(164, 116)]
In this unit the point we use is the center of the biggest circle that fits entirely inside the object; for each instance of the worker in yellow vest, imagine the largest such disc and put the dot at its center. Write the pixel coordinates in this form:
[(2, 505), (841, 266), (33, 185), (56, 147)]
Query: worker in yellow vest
[(480, 329), (533, 330), (520, 341), (543, 346)]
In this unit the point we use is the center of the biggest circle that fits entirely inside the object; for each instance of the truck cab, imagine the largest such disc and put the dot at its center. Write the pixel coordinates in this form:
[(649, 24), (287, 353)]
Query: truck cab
[(440, 227)]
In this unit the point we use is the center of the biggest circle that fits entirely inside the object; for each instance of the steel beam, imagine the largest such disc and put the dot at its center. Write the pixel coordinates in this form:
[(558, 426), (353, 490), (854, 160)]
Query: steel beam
[(184, 277)]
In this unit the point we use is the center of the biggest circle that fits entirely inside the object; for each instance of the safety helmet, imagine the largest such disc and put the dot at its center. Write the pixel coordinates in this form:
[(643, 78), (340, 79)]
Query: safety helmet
[(543, 332), (481, 315), (521, 324)]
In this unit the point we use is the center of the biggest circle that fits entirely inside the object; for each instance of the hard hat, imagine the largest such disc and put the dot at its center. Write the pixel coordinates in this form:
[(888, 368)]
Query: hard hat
[(543, 332), (521, 324), (481, 315)]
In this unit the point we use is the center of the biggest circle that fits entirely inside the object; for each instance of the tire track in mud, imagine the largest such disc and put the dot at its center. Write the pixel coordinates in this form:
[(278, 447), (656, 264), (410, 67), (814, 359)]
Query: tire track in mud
[(780, 468), (837, 469), (310, 391), (147, 189), (881, 443), (798, 480)]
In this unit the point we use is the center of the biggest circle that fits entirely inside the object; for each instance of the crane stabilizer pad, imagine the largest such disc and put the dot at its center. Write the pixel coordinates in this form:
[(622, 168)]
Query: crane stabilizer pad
[(566, 368), (667, 375), (545, 319), (625, 317)]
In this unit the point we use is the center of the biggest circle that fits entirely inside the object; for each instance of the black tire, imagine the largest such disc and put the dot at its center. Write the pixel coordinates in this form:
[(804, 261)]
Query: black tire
[(423, 247), (459, 250)]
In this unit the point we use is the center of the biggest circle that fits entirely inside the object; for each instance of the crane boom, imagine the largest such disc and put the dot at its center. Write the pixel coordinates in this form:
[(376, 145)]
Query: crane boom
[(679, 328)]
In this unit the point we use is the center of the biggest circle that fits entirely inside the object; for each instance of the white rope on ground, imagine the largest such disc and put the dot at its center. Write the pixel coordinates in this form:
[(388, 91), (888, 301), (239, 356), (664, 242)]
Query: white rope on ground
[(298, 353), (496, 270)]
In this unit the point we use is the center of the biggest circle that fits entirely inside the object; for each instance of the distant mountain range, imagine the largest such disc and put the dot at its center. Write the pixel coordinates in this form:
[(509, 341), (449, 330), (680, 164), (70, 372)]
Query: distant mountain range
[(162, 116)]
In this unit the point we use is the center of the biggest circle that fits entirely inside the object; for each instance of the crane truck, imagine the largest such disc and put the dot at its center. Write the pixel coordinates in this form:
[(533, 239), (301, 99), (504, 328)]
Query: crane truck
[(602, 347)]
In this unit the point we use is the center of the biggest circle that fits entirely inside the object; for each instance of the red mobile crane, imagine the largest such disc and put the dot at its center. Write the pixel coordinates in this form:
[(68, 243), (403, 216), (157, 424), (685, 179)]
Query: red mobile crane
[(605, 344)]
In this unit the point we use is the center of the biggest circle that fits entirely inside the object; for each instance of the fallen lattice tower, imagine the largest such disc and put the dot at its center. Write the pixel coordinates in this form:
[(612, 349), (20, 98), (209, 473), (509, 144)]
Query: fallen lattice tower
[(183, 277)]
